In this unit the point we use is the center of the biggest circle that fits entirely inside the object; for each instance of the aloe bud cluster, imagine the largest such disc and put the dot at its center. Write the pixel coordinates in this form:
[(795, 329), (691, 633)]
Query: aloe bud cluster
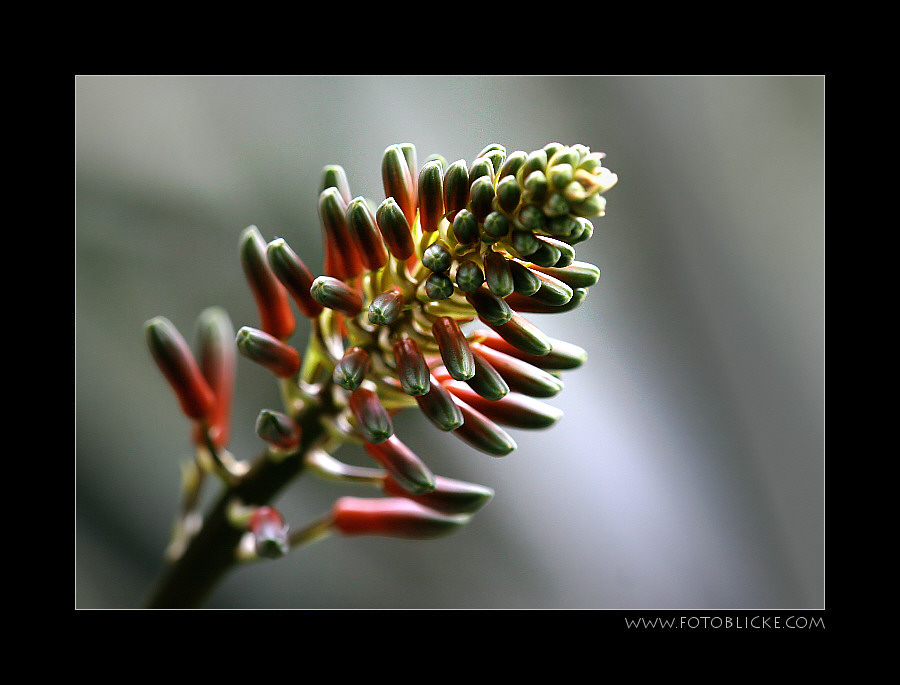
[(422, 302)]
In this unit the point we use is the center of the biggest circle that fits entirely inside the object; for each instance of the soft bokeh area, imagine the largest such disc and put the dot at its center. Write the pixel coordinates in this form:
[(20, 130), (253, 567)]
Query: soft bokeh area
[(688, 469)]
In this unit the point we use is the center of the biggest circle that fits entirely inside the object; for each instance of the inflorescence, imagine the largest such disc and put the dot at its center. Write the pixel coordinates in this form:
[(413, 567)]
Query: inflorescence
[(451, 247)]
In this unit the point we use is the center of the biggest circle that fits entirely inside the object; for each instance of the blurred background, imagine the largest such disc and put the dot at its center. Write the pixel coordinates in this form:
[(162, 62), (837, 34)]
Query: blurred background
[(688, 469)]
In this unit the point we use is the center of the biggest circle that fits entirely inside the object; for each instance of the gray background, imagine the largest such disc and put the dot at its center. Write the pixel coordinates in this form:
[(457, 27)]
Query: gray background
[(688, 470)]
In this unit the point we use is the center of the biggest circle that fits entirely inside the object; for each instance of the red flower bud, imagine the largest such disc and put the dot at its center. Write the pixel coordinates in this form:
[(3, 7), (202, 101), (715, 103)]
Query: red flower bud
[(269, 532), (454, 348), (392, 517), (218, 360), (411, 367), (294, 276), (519, 375), (514, 410), (456, 188), (448, 497), (563, 356), (176, 361), (398, 179), (341, 258), (276, 317), (522, 334), (266, 350), (575, 275), (372, 419), (402, 464), (364, 231)]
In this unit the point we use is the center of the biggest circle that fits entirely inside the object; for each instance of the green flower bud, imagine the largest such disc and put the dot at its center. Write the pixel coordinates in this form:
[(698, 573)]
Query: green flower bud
[(559, 175), (431, 196), (351, 369), (512, 164), (520, 376), (481, 197), (566, 251), (496, 226), (524, 242), (552, 292), (335, 294), (546, 255), (522, 334), (595, 205), (535, 188), (454, 348), (482, 433), (386, 307), (497, 274), (487, 381), (574, 275), (437, 258), (469, 276), (530, 304), (534, 161), (481, 168), (508, 194), (496, 153), (490, 308), (554, 206), (438, 286), (412, 370), (438, 407), (465, 227), (394, 228), (456, 188), (334, 176), (531, 218), (277, 429), (525, 281), (563, 357), (372, 419)]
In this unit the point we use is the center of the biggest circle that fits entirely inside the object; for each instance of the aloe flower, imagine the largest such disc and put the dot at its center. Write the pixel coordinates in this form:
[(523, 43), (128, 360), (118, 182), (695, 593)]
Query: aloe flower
[(423, 303)]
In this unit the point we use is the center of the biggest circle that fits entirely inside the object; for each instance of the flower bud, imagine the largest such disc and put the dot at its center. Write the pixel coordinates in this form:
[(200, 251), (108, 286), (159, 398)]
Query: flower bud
[(524, 243), (335, 294), (409, 471), (270, 534), (465, 227), (514, 410), (575, 275), (481, 197), (496, 153), (448, 497), (341, 257), (268, 351), (372, 419), (469, 276), (277, 429), (334, 176), (176, 361), (521, 333), (294, 276), (271, 298), (217, 360), (431, 196), (350, 371), (454, 348), (437, 257), (552, 292), (534, 306), (412, 370), (398, 517), (394, 228), (534, 161), (438, 407), (456, 188), (508, 194), (525, 281), (487, 381), (490, 308), (364, 231), (563, 356), (438, 286), (496, 226), (385, 308), (546, 254), (519, 375), (481, 168), (397, 178), (482, 433), (497, 274)]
